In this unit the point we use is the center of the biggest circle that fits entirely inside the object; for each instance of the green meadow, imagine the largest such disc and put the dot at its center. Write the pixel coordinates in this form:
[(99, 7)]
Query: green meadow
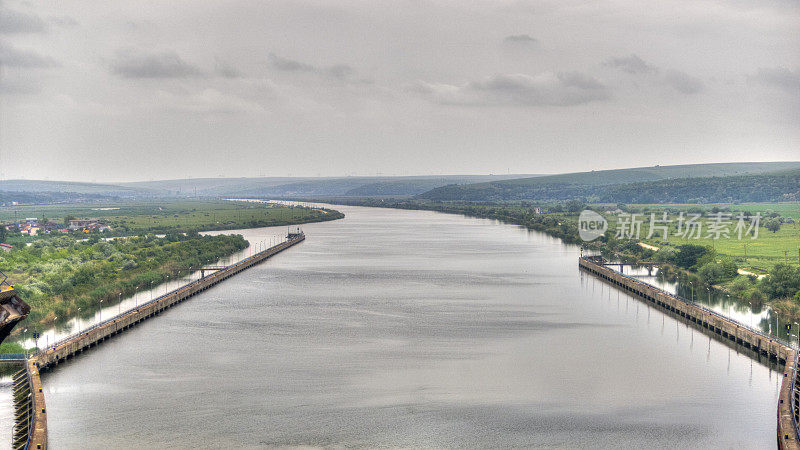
[(756, 255), (162, 216)]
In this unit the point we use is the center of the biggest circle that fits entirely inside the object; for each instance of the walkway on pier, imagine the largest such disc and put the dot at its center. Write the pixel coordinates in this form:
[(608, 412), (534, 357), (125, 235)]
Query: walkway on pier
[(714, 323), (94, 335)]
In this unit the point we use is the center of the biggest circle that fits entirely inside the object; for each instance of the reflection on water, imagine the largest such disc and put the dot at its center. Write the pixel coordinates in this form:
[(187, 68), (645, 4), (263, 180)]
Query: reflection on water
[(758, 315), (413, 329)]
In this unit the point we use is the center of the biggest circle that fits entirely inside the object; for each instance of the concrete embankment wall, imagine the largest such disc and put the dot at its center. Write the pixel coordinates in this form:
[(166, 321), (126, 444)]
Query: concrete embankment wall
[(38, 433), (714, 323), (66, 348)]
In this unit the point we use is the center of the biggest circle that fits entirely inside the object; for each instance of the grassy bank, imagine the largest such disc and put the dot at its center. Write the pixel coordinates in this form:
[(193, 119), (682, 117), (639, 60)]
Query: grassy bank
[(67, 275), (63, 277), (164, 216)]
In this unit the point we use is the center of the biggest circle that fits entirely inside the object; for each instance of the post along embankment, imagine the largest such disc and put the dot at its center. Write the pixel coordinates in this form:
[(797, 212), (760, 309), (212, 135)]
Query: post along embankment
[(72, 345), (715, 323)]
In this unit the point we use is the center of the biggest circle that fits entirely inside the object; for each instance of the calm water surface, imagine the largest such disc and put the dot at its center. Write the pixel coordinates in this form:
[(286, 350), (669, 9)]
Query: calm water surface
[(412, 329)]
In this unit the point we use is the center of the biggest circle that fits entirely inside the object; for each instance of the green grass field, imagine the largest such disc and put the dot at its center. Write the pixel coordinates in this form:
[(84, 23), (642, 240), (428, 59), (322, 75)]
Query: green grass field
[(173, 215), (762, 253), (756, 255)]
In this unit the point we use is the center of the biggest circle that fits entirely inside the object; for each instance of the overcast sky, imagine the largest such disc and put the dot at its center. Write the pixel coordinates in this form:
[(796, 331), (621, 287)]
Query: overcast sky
[(140, 90)]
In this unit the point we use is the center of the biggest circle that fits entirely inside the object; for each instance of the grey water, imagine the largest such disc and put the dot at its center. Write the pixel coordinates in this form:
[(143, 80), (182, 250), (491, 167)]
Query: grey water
[(395, 328)]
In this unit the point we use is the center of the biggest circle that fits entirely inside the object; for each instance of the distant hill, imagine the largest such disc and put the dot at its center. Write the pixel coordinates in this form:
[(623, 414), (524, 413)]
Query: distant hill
[(435, 187), (207, 186), (783, 186), (18, 198), (288, 187), (45, 186), (254, 187), (596, 184)]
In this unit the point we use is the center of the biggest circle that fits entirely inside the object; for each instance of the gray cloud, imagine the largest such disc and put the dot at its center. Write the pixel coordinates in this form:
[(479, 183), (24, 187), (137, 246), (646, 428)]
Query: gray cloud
[(207, 101), (13, 57), (340, 72), (227, 71), (167, 64), (675, 79), (304, 105), (19, 22), (546, 89), (630, 64), (683, 82), (517, 39), (289, 65), (64, 21), (24, 86), (779, 77)]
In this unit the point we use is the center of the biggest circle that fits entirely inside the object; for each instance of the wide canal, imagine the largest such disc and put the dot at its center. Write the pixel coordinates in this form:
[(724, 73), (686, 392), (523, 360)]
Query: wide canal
[(413, 329)]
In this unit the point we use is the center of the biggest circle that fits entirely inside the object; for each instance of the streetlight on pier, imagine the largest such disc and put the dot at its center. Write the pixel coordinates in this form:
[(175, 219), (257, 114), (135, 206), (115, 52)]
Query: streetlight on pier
[(798, 335)]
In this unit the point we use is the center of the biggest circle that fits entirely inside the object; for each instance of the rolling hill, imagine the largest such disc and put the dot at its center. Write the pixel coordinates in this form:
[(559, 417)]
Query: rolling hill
[(287, 187), (588, 185)]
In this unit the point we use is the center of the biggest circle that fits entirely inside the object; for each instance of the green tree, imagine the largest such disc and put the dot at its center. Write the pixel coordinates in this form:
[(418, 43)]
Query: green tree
[(729, 268), (783, 281), (741, 285), (711, 273), (574, 206), (772, 225), (689, 254)]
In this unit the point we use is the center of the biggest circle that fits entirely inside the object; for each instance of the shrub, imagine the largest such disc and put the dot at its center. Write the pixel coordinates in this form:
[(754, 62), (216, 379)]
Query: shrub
[(688, 255), (711, 273), (783, 281)]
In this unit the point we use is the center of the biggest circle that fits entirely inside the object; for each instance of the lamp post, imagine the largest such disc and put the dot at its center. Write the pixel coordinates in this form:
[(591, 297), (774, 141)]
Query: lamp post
[(798, 335)]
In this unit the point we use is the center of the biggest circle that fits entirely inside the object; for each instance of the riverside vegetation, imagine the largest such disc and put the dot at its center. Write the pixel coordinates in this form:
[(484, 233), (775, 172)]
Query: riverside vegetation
[(61, 276), (163, 216), (67, 275)]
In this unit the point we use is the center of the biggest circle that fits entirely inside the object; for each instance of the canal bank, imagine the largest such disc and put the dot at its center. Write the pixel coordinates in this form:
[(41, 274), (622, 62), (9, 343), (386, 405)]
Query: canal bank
[(761, 344), (32, 421), (394, 328)]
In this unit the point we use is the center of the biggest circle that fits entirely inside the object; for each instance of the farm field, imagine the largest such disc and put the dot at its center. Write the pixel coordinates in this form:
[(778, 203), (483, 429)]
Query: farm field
[(756, 255), (135, 217)]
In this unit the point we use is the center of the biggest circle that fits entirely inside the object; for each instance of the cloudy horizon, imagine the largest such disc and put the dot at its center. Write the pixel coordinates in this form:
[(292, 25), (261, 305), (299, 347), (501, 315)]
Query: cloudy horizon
[(155, 90)]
